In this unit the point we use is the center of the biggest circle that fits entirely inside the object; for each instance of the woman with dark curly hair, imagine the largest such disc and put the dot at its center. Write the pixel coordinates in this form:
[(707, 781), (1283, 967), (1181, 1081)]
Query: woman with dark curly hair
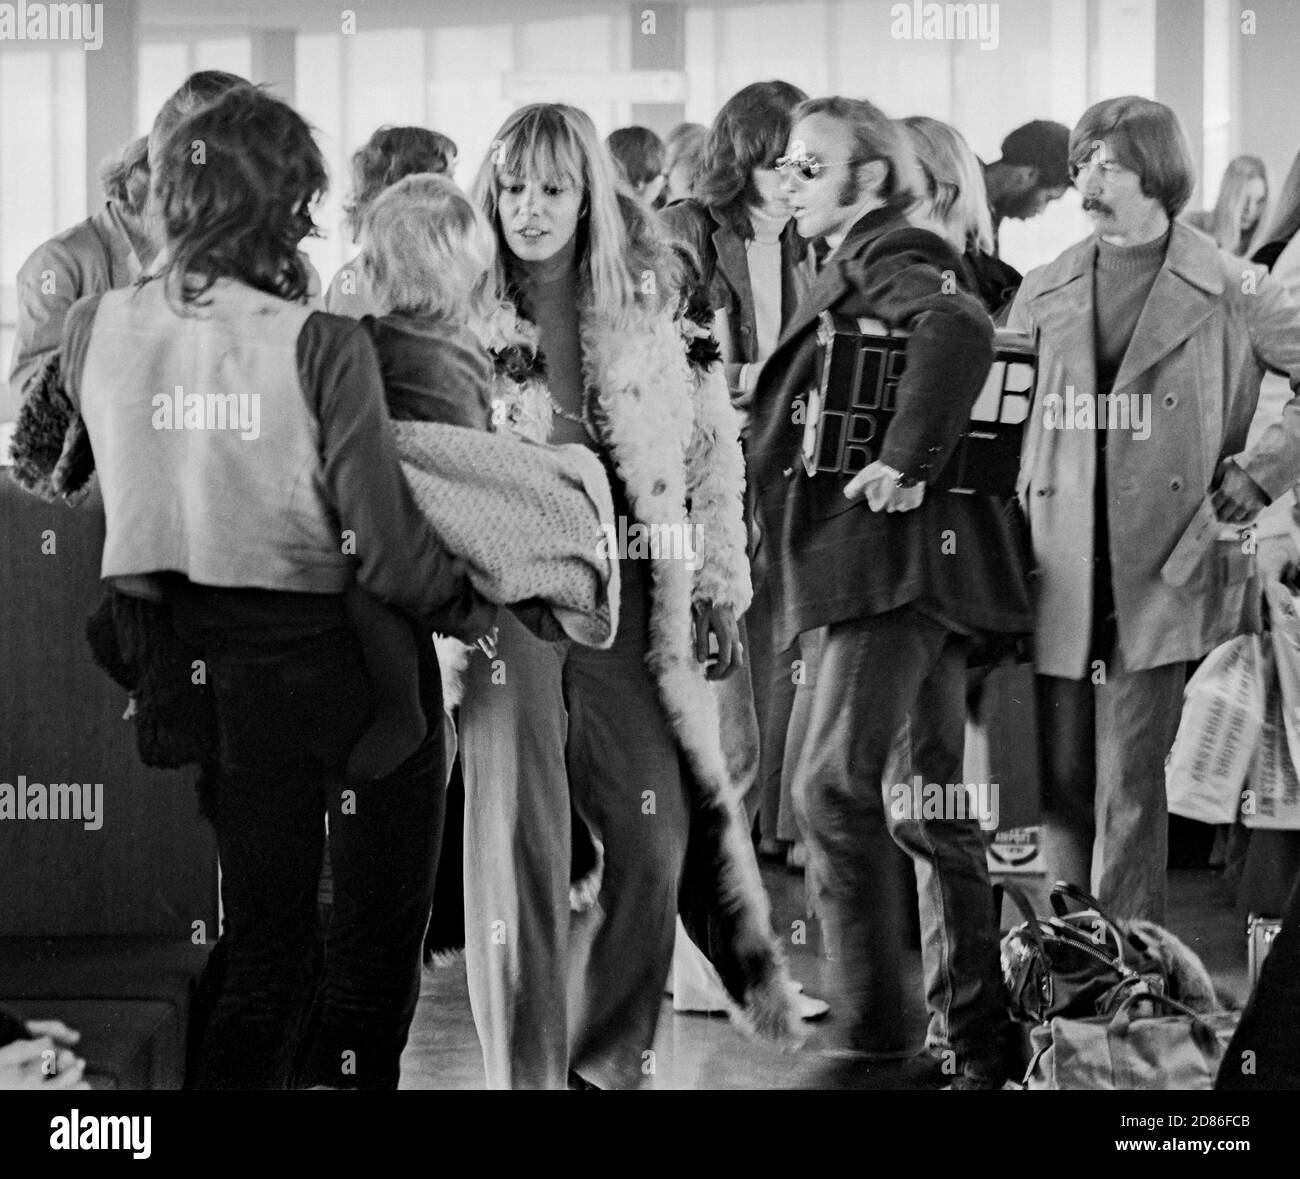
[(248, 478), (754, 270), (627, 736)]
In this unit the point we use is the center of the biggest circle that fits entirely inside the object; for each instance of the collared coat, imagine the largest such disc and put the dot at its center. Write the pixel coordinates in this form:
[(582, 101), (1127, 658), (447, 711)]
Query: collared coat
[(833, 559), (1211, 326), (95, 255), (717, 239)]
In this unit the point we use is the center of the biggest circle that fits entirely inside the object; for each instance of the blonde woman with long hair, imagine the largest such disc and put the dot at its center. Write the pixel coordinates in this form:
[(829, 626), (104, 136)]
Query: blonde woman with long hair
[(1241, 211), (955, 206), (598, 356)]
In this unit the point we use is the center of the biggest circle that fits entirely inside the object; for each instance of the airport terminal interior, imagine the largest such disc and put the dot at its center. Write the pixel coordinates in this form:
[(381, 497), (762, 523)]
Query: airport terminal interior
[(111, 890)]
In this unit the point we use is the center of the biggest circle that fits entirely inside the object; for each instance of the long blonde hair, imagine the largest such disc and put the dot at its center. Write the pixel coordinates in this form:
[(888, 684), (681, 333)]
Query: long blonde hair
[(624, 267), (954, 181), (1224, 223)]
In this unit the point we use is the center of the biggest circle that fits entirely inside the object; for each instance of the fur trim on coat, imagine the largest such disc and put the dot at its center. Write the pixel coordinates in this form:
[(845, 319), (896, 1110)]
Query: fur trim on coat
[(673, 437)]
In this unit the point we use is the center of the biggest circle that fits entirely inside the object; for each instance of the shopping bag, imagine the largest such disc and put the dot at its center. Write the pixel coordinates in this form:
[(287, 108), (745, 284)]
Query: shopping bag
[(1272, 795), (1176, 1049), (1223, 714), (1284, 621)]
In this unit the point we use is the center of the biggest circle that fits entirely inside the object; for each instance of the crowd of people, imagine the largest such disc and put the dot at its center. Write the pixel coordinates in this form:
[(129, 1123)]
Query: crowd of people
[(631, 329)]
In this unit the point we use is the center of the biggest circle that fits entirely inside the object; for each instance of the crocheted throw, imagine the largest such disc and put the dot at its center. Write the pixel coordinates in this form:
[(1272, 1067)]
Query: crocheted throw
[(530, 521)]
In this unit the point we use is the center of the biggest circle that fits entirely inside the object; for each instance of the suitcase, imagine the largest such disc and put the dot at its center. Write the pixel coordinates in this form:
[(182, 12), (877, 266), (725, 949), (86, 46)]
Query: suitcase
[(861, 362)]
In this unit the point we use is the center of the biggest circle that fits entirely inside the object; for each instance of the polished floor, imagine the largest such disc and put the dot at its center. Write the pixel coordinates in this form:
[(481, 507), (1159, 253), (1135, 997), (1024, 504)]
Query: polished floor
[(705, 1052)]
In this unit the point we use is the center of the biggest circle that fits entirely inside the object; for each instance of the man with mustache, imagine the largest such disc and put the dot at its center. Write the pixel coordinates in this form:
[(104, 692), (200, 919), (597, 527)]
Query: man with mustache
[(1152, 314)]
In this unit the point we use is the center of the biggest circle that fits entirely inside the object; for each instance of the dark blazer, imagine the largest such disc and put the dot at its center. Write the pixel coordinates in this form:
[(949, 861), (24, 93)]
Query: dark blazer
[(833, 559), (717, 239)]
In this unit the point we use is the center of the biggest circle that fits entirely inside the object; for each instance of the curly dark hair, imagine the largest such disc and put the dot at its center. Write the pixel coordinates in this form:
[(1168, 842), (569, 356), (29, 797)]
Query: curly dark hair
[(236, 183), (750, 131), (390, 154)]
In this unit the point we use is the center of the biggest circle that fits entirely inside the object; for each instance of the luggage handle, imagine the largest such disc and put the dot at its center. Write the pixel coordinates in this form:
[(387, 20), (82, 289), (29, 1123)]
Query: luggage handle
[(1064, 888), (1123, 1017), (1035, 924)]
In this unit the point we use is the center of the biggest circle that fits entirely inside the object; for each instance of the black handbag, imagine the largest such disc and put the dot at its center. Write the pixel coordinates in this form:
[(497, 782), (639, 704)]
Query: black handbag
[(1072, 964)]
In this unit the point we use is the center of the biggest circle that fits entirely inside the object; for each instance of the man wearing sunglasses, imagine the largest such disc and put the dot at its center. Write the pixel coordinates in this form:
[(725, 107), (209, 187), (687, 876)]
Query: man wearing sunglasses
[(1152, 343), (902, 578)]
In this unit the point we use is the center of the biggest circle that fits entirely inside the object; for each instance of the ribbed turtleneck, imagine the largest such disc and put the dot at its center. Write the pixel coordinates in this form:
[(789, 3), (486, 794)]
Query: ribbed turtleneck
[(763, 255), (1122, 282), (550, 290), (767, 228), (1124, 277)]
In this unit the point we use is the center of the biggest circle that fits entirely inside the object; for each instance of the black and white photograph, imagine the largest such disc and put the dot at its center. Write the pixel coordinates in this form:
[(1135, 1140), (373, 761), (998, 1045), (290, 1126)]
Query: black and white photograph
[(731, 545)]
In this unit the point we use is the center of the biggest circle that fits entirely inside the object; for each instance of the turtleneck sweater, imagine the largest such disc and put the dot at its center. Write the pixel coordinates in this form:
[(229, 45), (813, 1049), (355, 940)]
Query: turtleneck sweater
[(550, 299), (1122, 282), (1124, 276), (763, 253)]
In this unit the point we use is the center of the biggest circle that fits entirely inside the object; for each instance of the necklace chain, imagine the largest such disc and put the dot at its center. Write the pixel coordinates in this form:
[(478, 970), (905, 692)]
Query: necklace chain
[(582, 419)]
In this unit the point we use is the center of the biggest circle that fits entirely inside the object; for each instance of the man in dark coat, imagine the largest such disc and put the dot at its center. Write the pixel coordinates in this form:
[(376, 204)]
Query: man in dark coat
[(902, 582)]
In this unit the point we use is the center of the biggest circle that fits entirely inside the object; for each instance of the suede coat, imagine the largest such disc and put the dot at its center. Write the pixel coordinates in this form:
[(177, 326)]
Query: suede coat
[(1211, 326)]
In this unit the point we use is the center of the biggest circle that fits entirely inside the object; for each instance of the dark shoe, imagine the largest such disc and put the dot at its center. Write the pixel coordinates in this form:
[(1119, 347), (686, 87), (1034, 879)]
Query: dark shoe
[(981, 1083)]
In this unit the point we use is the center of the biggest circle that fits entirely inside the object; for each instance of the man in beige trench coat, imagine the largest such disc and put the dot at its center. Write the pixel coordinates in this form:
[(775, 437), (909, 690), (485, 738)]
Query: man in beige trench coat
[(1152, 346)]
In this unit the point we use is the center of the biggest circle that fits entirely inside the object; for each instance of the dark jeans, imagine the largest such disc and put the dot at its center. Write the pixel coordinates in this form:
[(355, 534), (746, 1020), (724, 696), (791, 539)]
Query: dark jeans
[(1265, 1051), (289, 713), (876, 673)]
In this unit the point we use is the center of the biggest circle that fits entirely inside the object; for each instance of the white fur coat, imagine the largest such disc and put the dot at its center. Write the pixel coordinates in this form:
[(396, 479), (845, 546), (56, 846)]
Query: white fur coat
[(674, 440)]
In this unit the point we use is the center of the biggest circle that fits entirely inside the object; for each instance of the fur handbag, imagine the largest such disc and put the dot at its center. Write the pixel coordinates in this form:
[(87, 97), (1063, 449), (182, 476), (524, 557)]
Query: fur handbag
[(134, 641), (1081, 964)]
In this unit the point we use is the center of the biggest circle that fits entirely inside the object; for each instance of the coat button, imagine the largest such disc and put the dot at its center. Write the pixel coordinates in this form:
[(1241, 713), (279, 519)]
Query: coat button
[(1175, 484), (1043, 491), (1170, 400), (659, 488)]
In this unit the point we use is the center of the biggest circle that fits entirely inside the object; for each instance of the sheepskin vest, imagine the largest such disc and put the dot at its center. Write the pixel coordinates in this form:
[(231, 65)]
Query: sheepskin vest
[(207, 451)]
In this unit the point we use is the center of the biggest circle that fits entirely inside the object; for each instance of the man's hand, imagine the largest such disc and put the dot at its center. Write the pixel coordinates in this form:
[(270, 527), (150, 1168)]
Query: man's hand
[(1236, 497), (718, 622), (878, 485)]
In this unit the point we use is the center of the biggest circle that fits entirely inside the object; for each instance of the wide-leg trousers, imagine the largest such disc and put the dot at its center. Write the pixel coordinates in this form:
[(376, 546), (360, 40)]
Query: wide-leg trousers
[(542, 725)]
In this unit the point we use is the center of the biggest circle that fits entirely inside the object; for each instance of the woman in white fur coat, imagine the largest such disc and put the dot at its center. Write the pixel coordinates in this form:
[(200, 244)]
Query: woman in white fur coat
[(592, 352)]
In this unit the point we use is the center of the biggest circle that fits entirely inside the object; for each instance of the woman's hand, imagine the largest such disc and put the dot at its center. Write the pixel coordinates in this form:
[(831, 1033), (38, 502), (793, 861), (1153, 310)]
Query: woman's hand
[(717, 623)]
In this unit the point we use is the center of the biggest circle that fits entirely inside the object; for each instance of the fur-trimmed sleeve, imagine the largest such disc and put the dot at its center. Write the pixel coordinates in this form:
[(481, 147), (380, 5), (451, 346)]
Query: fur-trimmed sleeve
[(715, 489)]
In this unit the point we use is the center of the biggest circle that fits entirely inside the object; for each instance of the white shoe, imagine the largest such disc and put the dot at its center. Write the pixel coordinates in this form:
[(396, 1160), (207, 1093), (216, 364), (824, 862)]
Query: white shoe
[(808, 1007)]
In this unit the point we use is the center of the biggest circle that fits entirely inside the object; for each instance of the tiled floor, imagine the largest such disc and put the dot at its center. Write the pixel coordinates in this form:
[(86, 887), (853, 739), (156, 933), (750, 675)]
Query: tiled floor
[(702, 1052)]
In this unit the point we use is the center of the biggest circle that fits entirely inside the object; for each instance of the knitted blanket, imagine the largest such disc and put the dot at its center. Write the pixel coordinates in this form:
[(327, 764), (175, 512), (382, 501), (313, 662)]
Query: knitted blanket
[(531, 522)]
